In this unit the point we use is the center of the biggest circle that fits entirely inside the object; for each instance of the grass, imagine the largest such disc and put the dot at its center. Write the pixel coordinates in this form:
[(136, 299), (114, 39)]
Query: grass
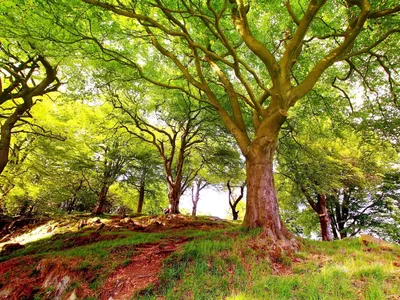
[(232, 263), (227, 267)]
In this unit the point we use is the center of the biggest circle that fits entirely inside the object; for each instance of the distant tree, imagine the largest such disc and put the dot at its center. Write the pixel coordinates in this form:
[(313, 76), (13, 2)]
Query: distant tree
[(235, 199), (144, 172), (110, 167), (357, 209), (176, 135), (198, 184), (337, 173)]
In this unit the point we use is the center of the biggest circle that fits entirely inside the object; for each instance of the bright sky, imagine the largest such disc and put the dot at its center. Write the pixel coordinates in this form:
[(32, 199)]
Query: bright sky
[(211, 203)]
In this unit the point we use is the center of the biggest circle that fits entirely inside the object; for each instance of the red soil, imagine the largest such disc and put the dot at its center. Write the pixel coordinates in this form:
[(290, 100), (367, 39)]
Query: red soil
[(142, 271)]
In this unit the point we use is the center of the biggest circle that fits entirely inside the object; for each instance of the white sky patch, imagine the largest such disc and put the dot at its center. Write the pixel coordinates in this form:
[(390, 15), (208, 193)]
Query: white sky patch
[(359, 97), (211, 203)]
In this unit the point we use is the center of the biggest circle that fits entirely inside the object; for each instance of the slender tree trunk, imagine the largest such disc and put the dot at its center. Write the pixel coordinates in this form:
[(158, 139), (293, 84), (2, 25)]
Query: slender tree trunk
[(234, 202), (141, 197), (71, 204), (335, 235), (235, 214), (324, 219), (195, 195), (261, 203), (194, 208), (101, 200)]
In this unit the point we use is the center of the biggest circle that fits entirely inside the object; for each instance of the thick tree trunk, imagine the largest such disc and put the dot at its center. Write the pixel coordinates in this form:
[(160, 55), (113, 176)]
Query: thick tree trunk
[(101, 200), (324, 219), (5, 142), (261, 203), (141, 197), (174, 195)]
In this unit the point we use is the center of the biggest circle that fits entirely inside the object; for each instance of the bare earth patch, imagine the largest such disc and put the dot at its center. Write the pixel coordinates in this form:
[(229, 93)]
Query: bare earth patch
[(142, 271), (41, 274)]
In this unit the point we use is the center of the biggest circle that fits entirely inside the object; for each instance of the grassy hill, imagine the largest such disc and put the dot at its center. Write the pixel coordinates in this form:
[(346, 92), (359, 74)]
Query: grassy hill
[(185, 258)]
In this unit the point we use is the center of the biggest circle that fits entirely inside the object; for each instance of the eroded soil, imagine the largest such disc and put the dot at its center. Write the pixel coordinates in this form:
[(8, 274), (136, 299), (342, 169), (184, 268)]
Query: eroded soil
[(128, 269), (142, 271)]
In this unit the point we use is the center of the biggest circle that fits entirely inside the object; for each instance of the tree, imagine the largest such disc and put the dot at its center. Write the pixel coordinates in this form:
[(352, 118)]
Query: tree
[(225, 170), (198, 184), (144, 172), (112, 162), (370, 209), (234, 201), (20, 82), (176, 135), (229, 60), (337, 171)]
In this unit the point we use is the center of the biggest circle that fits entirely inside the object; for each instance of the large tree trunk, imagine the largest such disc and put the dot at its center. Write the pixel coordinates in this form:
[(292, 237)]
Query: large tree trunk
[(174, 195), (141, 197), (4, 146), (261, 203), (6, 129), (101, 200)]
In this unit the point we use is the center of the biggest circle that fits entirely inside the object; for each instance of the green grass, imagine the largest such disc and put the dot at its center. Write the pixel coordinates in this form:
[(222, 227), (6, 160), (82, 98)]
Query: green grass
[(233, 263), (216, 266)]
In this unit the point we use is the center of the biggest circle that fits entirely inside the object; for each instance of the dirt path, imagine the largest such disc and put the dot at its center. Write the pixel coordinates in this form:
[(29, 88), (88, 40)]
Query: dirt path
[(142, 271)]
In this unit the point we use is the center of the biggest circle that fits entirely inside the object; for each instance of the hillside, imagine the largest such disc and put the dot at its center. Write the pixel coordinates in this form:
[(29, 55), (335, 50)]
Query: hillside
[(81, 257)]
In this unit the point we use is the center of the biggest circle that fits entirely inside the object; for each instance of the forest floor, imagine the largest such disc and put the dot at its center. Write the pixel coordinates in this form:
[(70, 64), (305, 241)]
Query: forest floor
[(178, 257)]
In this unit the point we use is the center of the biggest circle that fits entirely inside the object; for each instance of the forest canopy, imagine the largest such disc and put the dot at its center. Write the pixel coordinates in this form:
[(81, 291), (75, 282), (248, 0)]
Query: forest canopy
[(107, 103)]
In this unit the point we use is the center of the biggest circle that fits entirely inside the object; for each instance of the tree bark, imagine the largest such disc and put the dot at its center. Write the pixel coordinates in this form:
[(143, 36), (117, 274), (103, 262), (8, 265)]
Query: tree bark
[(261, 203), (320, 207), (6, 129), (4, 145), (324, 219), (333, 228), (141, 197), (235, 214), (174, 195), (196, 187), (101, 200), (234, 202)]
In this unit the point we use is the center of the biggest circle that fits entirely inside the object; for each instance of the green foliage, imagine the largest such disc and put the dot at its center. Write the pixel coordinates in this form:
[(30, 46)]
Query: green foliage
[(348, 164), (151, 63)]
